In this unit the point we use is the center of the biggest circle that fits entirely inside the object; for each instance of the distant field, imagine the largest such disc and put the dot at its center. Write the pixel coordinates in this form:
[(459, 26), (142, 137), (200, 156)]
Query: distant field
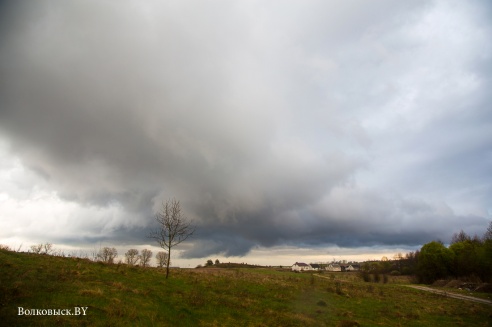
[(118, 295)]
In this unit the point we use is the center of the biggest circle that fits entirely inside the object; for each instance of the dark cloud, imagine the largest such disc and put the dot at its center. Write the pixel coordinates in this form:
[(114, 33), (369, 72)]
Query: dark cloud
[(273, 123)]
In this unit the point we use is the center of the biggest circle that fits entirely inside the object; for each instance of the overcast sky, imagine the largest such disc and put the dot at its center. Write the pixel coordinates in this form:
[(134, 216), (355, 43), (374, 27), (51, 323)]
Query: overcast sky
[(289, 126)]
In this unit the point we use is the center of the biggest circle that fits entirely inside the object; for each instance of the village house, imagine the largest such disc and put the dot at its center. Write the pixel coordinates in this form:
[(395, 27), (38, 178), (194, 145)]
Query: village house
[(301, 266), (333, 267), (353, 267)]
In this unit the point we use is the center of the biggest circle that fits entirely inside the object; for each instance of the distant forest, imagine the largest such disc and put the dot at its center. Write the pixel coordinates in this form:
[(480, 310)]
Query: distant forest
[(466, 257)]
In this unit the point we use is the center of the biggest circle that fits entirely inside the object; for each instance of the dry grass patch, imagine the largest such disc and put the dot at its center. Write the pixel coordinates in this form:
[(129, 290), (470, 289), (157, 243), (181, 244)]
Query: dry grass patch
[(119, 286), (94, 292)]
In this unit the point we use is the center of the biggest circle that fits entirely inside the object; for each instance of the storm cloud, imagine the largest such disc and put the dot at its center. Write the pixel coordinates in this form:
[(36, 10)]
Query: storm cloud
[(274, 123)]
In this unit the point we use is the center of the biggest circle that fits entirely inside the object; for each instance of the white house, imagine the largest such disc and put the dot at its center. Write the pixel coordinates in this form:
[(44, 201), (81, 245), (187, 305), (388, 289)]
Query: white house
[(301, 266), (334, 267), (353, 267)]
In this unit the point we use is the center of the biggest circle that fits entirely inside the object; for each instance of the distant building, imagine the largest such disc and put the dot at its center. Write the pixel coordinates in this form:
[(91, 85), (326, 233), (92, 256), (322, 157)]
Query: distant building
[(301, 266), (334, 267), (353, 267)]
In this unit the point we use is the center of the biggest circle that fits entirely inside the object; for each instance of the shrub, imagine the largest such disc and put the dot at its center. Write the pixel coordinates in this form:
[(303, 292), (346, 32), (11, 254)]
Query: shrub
[(107, 255), (376, 277), (365, 276)]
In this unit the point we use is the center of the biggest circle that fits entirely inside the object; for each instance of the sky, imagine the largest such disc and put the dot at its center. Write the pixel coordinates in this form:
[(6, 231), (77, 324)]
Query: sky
[(289, 131)]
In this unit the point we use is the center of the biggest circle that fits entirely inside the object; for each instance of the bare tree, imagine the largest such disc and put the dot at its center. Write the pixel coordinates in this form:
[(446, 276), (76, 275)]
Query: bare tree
[(460, 237), (488, 233), (145, 257), (161, 257), (41, 248), (47, 248), (36, 248), (173, 229), (131, 257), (107, 254)]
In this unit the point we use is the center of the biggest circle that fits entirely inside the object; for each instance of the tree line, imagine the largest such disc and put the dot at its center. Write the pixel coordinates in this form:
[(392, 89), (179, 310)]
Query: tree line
[(172, 229), (133, 257), (465, 257), (106, 254)]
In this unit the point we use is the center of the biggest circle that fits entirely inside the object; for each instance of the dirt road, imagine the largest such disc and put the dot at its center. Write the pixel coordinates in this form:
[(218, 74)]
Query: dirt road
[(453, 295), (443, 293)]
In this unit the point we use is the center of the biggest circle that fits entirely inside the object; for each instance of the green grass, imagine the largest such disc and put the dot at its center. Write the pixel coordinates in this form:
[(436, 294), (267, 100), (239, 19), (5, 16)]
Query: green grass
[(118, 295)]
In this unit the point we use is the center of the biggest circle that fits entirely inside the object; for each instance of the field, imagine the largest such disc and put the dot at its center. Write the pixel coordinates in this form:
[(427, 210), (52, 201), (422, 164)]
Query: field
[(118, 295)]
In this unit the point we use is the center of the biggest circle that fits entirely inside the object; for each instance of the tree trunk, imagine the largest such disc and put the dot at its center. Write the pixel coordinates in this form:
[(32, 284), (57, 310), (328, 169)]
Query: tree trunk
[(168, 261)]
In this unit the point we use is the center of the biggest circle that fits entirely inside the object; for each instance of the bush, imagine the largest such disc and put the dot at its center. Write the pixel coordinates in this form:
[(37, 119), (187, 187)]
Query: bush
[(107, 255), (365, 276)]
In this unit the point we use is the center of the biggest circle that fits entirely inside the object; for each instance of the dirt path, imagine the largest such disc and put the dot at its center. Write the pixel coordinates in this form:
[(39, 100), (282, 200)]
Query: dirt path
[(443, 293), (453, 295)]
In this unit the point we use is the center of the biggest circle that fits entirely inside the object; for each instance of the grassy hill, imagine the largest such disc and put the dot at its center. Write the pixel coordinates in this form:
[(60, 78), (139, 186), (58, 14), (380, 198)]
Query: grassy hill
[(118, 295)]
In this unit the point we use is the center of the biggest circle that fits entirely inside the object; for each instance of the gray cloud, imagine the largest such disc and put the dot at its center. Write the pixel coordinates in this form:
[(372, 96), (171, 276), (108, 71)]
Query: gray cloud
[(273, 123)]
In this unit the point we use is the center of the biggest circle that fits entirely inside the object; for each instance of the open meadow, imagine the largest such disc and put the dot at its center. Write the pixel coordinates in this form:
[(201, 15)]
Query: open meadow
[(119, 295)]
